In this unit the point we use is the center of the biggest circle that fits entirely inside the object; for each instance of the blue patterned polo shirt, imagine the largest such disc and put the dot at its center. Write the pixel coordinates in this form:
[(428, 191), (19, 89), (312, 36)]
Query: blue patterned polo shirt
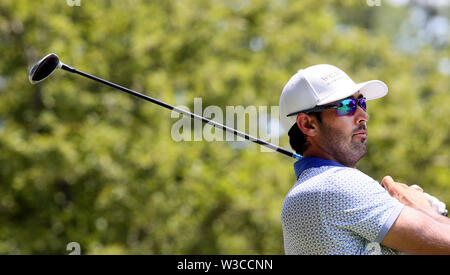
[(333, 209)]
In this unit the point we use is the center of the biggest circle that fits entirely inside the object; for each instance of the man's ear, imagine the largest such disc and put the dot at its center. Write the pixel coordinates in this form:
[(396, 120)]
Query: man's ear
[(307, 124)]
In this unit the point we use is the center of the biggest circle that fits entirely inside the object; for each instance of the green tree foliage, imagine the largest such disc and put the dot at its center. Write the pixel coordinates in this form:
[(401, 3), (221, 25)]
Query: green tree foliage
[(82, 162)]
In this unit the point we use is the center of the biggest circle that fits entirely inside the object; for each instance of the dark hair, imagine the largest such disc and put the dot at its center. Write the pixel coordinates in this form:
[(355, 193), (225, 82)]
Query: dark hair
[(297, 138)]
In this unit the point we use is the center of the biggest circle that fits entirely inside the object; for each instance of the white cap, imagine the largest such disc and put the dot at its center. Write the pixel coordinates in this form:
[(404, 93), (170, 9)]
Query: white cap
[(319, 85)]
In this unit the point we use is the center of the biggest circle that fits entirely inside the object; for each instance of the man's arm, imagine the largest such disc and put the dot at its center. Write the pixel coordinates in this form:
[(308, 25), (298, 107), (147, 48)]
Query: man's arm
[(417, 233), (419, 229), (412, 196)]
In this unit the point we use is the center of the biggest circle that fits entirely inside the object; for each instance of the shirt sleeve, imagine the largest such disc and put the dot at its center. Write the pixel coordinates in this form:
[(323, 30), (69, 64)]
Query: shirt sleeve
[(357, 203)]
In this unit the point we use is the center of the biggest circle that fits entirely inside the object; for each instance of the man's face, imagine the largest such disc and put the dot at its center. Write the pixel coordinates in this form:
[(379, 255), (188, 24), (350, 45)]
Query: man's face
[(344, 137)]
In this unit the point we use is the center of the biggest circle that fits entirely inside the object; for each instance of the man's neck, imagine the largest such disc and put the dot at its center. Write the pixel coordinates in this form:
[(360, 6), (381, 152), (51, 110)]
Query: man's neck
[(323, 155)]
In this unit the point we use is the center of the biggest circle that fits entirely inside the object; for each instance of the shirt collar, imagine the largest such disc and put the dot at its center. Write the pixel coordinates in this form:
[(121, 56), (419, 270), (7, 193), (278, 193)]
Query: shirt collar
[(312, 162)]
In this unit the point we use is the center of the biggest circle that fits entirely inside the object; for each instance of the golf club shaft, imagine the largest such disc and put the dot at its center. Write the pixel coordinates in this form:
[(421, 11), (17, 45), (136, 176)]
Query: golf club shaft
[(181, 111)]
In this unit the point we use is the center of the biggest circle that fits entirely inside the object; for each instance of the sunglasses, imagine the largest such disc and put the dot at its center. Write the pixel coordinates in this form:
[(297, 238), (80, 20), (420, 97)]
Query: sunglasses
[(345, 107)]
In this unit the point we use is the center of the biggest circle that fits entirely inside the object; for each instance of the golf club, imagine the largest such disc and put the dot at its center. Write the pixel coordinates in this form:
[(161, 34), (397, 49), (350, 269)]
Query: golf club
[(47, 65)]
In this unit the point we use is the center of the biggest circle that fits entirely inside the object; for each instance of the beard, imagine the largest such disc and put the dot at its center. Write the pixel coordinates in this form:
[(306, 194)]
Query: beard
[(342, 146)]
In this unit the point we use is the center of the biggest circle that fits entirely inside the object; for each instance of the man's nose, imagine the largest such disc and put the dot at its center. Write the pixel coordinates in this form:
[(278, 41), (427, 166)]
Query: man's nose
[(361, 116)]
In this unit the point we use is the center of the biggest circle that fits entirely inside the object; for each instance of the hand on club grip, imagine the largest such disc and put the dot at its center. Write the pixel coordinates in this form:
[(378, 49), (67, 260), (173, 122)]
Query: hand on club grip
[(413, 196)]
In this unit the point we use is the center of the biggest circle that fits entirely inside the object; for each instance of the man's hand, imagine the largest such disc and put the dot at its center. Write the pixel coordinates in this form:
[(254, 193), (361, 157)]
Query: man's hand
[(411, 196), (419, 229), (436, 204)]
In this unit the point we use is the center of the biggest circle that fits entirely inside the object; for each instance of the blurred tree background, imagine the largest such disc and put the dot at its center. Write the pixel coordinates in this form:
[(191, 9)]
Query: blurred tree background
[(81, 162)]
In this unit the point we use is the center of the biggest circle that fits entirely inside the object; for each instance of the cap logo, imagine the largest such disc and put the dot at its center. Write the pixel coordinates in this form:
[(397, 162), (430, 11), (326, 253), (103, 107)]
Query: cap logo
[(332, 77)]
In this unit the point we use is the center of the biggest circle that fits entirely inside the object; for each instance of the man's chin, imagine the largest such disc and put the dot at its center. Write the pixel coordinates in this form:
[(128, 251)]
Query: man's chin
[(359, 150)]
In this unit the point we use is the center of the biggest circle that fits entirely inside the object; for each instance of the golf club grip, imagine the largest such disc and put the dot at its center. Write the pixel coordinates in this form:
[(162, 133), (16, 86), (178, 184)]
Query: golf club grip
[(170, 107)]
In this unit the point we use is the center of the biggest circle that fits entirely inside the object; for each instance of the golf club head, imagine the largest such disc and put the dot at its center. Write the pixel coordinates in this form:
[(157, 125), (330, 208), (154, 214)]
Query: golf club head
[(44, 68)]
